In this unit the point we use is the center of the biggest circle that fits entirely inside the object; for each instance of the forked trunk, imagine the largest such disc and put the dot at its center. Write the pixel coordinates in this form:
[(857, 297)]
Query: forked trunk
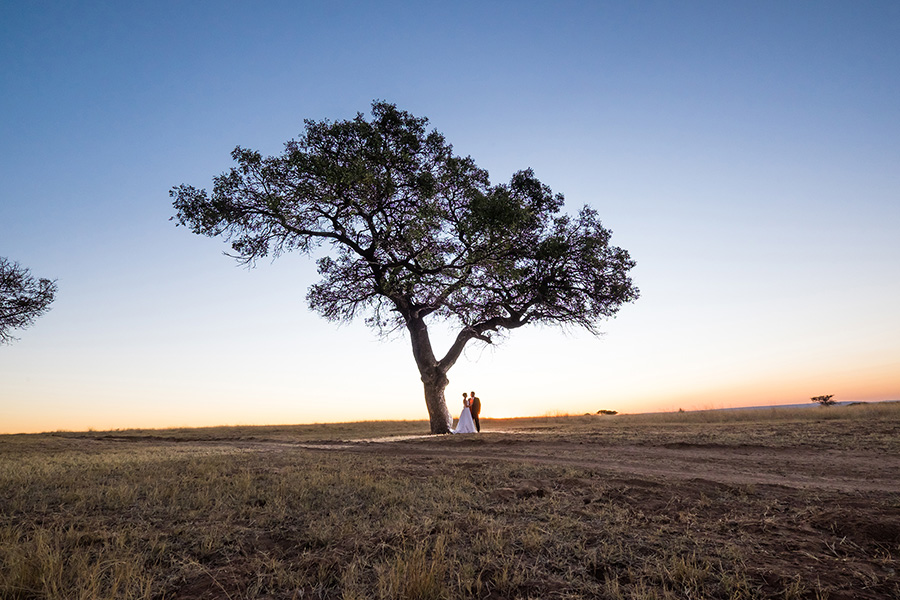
[(434, 376)]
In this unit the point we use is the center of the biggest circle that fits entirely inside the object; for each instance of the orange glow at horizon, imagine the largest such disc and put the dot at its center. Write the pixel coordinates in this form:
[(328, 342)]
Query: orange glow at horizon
[(874, 385)]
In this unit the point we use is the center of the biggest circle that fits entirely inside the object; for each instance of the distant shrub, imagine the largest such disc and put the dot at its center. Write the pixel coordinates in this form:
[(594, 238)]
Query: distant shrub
[(824, 400), (603, 411)]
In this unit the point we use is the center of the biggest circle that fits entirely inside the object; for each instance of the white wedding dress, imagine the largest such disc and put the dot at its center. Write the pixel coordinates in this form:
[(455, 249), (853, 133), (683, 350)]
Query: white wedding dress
[(465, 423)]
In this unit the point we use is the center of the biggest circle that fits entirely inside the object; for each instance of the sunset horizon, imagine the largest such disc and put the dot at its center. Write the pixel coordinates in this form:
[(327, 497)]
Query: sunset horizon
[(487, 415)]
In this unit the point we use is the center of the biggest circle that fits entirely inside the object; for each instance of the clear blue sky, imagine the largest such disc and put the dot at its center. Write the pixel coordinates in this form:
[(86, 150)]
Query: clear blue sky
[(746, 154)]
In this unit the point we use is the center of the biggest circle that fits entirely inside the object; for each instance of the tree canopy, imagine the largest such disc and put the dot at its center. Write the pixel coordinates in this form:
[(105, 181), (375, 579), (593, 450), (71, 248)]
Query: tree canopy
[(824, 400), (22, 298), (414, 232)]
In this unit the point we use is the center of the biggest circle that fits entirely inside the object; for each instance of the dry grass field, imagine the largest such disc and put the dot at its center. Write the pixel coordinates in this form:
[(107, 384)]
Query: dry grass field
[(722, 504)]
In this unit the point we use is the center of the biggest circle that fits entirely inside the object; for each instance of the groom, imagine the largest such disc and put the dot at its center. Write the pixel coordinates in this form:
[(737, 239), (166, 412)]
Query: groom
[(475, 404)]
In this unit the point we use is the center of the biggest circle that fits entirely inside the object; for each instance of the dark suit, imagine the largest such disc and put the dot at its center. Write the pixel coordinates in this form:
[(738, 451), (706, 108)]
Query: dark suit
[(476, 410)]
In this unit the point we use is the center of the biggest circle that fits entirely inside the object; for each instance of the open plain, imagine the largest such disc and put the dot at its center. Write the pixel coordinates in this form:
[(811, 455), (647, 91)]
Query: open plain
[(772, 503)]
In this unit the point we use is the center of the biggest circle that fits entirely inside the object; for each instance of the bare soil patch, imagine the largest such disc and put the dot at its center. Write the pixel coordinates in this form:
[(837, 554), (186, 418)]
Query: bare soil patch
[(792, 467)]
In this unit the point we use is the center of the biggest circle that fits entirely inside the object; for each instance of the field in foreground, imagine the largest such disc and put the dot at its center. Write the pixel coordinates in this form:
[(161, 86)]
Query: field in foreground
[(732, 504)]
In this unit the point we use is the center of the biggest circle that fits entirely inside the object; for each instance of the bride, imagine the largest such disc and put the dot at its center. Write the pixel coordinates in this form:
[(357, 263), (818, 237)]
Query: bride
[(465, 423)]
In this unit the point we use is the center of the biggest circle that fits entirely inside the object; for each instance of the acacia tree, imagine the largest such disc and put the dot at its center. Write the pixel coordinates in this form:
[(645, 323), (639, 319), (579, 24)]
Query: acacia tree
[(824, 400), (415, 233), (22, 298)]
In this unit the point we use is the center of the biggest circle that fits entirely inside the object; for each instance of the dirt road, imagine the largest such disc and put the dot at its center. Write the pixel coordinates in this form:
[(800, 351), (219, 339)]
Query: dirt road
[(802, 468)]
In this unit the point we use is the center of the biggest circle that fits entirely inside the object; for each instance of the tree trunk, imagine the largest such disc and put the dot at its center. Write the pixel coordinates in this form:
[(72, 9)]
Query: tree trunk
[(434, 376), (436, 403)]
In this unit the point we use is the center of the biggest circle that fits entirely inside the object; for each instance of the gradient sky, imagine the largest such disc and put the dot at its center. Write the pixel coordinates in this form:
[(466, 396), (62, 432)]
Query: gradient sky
[(746, 154)]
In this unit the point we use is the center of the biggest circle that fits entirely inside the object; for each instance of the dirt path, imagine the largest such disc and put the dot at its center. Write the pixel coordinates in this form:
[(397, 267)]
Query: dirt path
[(800, 468)]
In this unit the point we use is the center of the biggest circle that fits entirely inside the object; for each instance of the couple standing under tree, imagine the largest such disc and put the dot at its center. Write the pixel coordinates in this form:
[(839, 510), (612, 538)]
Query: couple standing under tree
[(468, 418)]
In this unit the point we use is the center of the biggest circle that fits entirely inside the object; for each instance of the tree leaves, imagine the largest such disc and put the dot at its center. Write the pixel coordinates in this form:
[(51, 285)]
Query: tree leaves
[(22, 298), (414, 230)]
